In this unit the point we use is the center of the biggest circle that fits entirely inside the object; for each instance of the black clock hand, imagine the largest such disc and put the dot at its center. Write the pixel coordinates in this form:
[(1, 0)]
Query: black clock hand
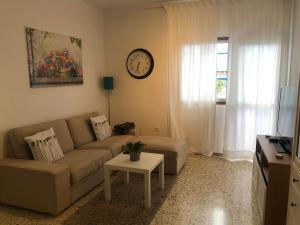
[(137, 69)]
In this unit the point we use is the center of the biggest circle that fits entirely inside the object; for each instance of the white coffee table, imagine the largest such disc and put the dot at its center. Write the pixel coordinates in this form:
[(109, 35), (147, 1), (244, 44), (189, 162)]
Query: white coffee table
[(145, 165)]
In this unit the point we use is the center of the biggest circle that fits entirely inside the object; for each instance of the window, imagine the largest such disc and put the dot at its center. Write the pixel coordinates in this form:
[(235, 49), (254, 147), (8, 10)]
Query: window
[(222, 69)]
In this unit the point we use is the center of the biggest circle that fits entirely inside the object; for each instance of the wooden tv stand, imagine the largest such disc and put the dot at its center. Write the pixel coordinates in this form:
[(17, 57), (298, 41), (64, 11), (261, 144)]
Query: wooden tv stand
[(271, 181)]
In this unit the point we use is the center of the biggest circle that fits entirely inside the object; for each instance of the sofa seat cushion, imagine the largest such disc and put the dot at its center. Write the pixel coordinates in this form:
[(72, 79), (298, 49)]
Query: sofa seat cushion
[(170, 147), (84, 162), (113, 143)]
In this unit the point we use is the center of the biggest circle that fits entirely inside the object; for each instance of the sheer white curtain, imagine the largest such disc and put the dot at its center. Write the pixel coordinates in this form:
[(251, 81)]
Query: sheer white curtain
[(192, 69), (256, 37)]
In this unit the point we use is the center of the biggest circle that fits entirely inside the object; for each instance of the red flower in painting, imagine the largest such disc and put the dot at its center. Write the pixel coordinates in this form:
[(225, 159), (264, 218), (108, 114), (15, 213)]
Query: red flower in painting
[(58, 64)]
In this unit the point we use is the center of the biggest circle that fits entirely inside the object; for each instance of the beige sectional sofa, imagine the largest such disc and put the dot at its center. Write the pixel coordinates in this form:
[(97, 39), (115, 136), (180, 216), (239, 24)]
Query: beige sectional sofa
[(52, 187)]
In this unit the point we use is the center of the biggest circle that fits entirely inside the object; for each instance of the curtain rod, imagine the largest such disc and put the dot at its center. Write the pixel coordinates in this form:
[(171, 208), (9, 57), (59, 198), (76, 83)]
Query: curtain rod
[(187, 1), (179, 1), (172, 2)]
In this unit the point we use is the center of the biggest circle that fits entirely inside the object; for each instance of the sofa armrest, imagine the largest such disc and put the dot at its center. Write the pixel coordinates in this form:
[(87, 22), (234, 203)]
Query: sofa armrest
[(35, 185)]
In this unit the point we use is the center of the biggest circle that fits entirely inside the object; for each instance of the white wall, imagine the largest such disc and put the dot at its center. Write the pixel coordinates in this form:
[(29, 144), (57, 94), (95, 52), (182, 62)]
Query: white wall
[(21, 105), (142, 101)]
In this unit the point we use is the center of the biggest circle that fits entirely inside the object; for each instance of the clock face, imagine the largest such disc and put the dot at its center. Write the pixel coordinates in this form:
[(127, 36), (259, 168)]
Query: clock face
[(140, 63)]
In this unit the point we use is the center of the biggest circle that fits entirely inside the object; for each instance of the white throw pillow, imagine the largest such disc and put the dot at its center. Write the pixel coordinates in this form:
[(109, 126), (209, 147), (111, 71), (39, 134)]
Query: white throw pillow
[(44, 146), (101, 127)]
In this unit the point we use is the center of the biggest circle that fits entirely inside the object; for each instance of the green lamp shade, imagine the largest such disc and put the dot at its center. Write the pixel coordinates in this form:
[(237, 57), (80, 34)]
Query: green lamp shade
[(108, 83)]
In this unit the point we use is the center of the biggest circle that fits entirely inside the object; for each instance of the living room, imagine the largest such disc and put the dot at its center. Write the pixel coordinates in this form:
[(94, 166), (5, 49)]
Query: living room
[(200, 80)]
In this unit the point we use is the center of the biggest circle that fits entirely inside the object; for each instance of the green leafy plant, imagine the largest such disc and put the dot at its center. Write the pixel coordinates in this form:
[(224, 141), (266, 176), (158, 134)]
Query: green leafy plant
[(221, 84), (77, 41), (134, 147)]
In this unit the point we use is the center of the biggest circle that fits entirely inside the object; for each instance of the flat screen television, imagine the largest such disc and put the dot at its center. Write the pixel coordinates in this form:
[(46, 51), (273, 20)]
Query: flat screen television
[(286, 116)]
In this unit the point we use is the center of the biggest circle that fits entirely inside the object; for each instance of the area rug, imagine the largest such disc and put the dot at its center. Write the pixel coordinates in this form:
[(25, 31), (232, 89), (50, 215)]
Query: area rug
[(127, 203)]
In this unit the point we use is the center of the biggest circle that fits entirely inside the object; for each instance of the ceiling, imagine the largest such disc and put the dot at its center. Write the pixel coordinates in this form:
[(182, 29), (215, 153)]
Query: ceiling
[(113, 4)]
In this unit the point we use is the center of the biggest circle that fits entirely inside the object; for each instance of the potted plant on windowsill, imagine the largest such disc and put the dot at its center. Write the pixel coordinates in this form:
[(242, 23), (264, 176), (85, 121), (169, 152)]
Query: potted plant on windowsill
[(134, 150)]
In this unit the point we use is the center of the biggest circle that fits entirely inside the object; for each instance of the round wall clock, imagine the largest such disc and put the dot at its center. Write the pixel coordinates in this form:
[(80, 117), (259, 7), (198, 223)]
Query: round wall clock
[(140, 63)]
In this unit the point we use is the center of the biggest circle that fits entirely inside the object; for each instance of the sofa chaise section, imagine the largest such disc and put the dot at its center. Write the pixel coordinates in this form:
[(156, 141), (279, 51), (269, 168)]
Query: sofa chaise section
[(174, 151)]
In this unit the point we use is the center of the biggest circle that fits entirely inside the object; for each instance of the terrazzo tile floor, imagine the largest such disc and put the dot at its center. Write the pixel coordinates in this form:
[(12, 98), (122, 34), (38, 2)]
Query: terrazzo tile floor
[(208, 191)]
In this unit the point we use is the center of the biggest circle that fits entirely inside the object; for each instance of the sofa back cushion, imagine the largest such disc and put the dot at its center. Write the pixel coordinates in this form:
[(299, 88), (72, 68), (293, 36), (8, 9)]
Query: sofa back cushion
[(81, 129), (20, 148)]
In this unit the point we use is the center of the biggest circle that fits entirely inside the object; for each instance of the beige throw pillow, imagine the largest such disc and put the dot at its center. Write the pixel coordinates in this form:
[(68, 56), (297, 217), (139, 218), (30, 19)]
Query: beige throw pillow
[(101, 127), (44, 146)]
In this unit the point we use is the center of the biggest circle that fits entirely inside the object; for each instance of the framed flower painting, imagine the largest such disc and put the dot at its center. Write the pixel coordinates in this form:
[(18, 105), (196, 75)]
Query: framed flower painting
[(54, 59)]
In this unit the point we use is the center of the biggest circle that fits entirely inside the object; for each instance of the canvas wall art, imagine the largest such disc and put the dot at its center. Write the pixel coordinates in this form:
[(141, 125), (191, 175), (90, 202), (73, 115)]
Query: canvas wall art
[(54, 59)]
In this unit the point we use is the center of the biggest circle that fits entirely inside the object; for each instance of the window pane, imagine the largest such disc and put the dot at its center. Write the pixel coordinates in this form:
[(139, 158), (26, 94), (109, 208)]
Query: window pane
[(222, 69), (222, 47), (221, 85), (222, 62)]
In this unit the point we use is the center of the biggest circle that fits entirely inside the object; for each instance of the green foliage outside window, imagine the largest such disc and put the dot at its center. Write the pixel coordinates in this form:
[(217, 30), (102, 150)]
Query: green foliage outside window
[(221, 85)]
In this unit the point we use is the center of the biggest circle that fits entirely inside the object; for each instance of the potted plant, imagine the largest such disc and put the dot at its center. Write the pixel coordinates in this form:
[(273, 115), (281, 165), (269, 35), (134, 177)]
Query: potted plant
[(134, 149)]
